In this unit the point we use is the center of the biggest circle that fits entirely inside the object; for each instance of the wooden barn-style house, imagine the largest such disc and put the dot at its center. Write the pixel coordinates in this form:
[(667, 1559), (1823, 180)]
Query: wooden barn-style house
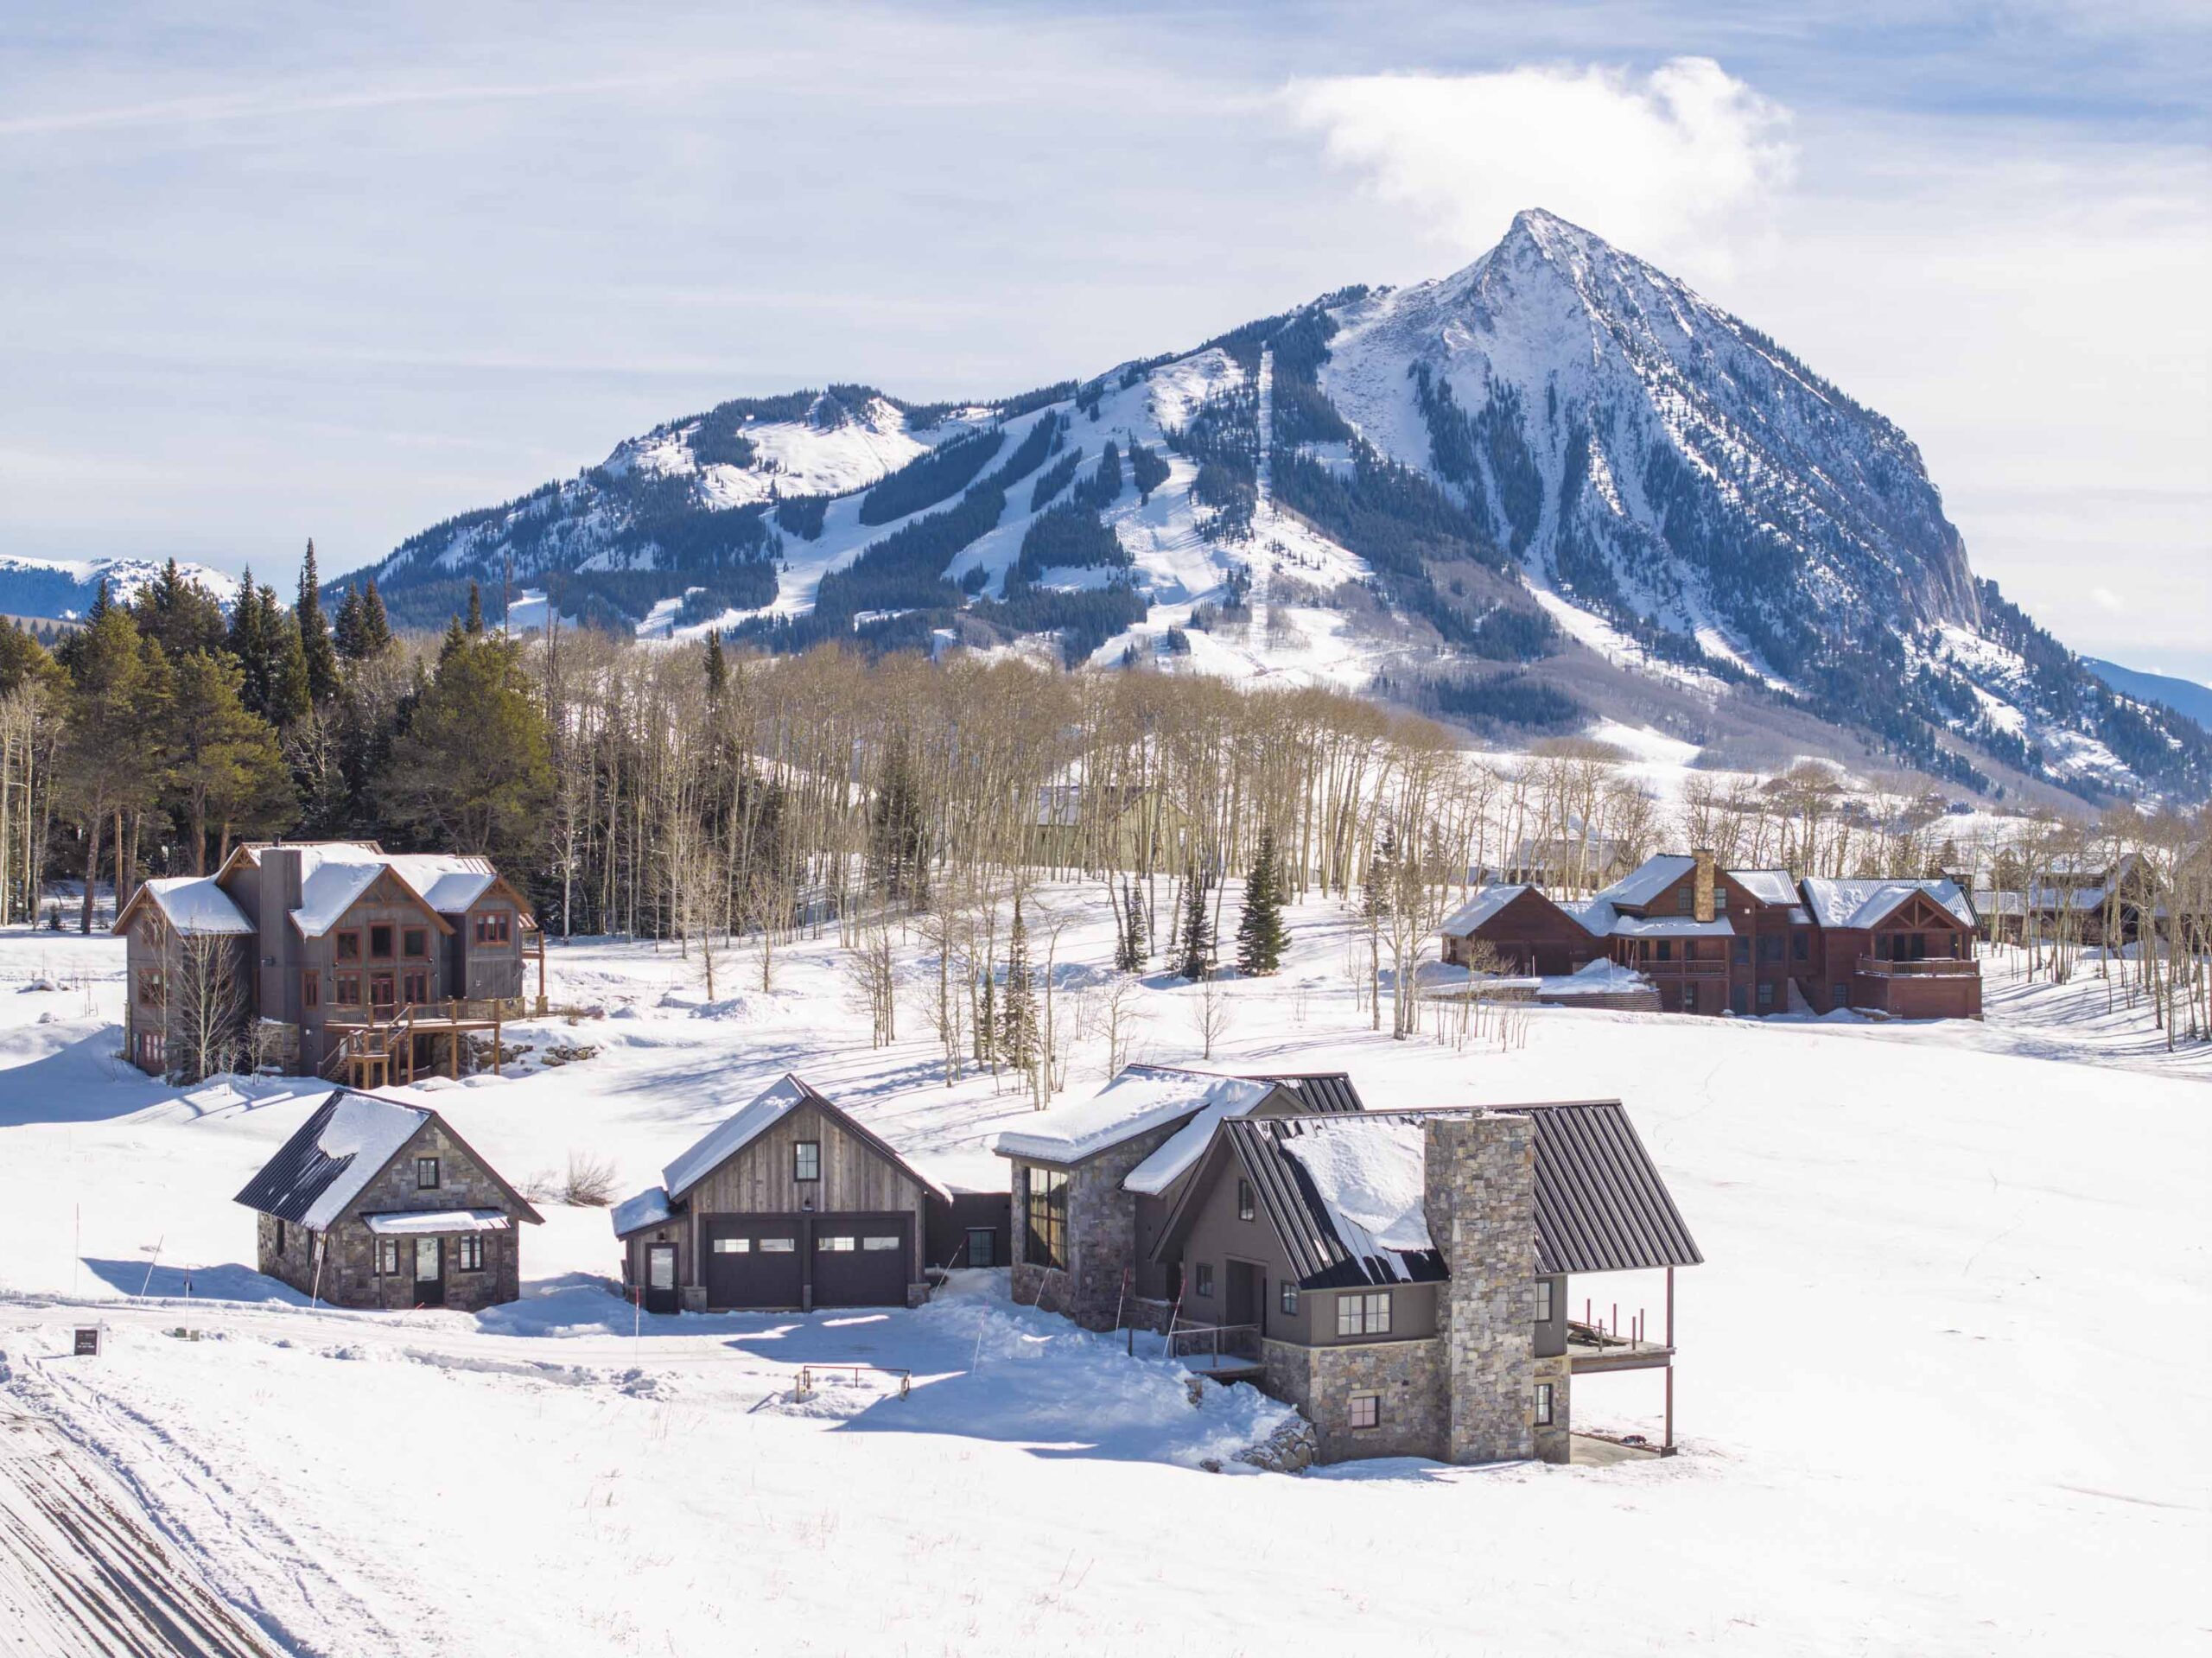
[(376, 1202), (330, 958), (1404, 1277), (1713, 941)]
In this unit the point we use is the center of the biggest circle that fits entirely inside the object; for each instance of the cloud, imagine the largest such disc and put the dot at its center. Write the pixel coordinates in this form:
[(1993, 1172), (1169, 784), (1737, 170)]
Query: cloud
[(1672, 165), (2105, 599)]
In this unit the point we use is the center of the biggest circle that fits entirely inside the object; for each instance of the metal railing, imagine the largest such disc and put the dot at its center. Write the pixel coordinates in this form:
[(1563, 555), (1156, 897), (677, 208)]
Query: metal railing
[(805, 1389), (1236, 1341), (1941, 967)]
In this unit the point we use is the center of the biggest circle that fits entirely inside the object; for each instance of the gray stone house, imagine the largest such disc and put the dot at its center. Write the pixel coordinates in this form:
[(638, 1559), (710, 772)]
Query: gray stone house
[(330, 957), (376, 1202), (1093, 1182), (1403, 1277), (791, 1202)]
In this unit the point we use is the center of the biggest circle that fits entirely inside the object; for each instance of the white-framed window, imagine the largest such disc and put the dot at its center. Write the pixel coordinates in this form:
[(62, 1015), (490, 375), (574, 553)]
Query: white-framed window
[(1290, 1300), (1544, 1300), (388, 1257), (1364, 1410), (733, 1246), (469, 1253), (1364, 1314), (840, 1244), (1544, 1404), (879, 1243), (779, 1246)]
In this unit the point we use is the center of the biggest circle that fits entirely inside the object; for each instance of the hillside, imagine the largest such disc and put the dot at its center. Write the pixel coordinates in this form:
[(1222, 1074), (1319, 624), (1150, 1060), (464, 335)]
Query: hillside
[(64, 588), (1555, 486)]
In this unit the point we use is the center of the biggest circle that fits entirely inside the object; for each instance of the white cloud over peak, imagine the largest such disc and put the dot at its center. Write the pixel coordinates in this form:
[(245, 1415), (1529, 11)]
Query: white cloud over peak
[(1675, 164)]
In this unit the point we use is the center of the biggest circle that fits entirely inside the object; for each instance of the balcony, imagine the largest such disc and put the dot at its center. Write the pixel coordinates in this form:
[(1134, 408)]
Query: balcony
[(1700, 969), (1928, 967)]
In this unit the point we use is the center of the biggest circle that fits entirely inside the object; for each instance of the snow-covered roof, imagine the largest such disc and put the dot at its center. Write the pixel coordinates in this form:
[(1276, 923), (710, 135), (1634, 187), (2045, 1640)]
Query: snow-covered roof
[(447, 885), (1990, 900), (332, 1157), (1673, 926), (1486, 902), (195, 906), (1595, 916), (332, 879), (430, 1222), (1767, 886), (1229, 1097), (1369, 1177), (732, 1135), (1140, 1099), (1864, 903), (1649, 878), (643, 1209)]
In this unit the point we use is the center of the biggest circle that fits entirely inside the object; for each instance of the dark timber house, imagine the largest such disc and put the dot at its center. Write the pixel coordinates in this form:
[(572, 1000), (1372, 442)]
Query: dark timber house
[(1709, 940), (331, 958), (1093, 1182), (1402, 1276), (376, 1202), (789, 1203)]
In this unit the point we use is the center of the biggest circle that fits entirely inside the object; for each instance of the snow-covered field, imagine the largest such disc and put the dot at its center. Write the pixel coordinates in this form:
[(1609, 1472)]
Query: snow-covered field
[(1937, 1376)]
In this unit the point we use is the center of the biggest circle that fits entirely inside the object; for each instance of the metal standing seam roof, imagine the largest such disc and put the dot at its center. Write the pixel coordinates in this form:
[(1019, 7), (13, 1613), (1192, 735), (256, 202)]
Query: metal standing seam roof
[(1601, 1205), (1321, 1091), (346, 1141)]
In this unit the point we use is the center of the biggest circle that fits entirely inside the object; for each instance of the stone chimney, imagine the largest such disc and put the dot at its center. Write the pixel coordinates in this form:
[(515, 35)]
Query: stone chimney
[(1704, 883), (276, 949), (1480, 1199)]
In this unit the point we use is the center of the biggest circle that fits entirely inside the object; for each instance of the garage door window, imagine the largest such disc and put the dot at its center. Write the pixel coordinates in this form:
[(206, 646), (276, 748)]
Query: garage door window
[(778, 1246), (839, 1245), (879, 1243), (733, 1246)]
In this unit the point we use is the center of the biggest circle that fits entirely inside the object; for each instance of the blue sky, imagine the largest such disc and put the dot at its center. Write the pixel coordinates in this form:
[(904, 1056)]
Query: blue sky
[(279, 271)]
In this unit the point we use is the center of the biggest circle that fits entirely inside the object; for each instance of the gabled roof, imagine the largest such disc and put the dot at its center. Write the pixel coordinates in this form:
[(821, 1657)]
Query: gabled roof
[(1647, 880), (193, 905), (348, 1140), (1767, 886), (1328, 1093), (1867, 902), (1344, 1194), (1138, 1100), (335, 874), (773, 1103), (1486, 902), (648, 1208)]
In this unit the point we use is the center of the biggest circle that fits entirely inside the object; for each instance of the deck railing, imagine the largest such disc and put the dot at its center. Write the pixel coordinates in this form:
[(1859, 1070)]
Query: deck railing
[(1213, 1342), (1935, 966)]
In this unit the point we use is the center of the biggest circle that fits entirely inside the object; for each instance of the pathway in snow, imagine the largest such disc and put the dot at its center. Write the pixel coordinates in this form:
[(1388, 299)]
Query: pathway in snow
[(82, 1569)]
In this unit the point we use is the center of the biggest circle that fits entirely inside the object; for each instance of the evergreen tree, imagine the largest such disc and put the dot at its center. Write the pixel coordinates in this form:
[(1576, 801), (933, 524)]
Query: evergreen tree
[(345, 632), (1261, 937), (24, 661), (472, 770), (179, 613), (1194, 950), (898, 840), (100, 604), (475, 626), (1131, 948), (291, 694), (375, 626), (246, 644), (316, 649), (717, 670), (223, 766), (1018, 1008), (107, 763)]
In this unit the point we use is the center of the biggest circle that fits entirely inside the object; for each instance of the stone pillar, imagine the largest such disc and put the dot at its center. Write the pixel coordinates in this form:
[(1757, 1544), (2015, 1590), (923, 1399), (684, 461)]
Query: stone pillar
[(1704, 894), (1554, 1438), (1480, 1199)]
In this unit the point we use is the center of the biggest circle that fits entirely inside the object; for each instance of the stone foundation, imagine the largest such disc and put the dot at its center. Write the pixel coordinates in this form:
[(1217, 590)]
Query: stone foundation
[(1553, 1442), (1407, 1377)]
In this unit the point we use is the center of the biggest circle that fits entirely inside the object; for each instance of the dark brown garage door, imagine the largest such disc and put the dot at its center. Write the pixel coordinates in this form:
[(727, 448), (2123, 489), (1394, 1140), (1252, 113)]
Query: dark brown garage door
[(861, 1261), (753, 1261)]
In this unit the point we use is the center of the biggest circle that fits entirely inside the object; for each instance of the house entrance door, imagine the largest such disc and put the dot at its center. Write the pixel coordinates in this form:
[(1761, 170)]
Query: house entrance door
[(1244, 1293), (429, 1272), (660, 1278)]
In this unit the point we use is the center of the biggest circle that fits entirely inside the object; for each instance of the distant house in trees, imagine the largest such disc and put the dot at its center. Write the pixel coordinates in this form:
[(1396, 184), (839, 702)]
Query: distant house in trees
[(376, 1202), (1747, 942), (330, 958), (1077, 826)]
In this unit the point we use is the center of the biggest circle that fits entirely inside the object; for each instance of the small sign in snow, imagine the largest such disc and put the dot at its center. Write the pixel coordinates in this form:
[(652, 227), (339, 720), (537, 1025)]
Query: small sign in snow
[(88, 1342)]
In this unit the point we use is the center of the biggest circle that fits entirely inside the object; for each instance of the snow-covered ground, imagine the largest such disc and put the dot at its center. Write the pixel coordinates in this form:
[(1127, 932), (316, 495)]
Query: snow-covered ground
[(1936, 1379)]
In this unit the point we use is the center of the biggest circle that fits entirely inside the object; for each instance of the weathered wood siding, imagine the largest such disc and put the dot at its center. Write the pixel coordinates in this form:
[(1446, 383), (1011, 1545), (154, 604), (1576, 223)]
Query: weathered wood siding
[(758, 1180)]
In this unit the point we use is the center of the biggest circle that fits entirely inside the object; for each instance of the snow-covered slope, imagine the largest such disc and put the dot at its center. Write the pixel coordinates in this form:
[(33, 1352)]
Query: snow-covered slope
[(64, 588)]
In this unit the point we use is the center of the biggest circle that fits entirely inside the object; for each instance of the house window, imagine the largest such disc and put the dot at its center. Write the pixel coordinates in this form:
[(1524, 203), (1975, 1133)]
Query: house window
[(346, 989), (1544, 1300), (1666, 949), (1367, 1314), (1243, 1200), (380, 942), (383, 991), (731, 1246), (1743, 952), (778, 1246), (1205, 1275), (153, 989), (414, 943), (1766, 996), (415, 985), (1544, 1404), (1770, 948), (349, 946), (310, 988), (426, 1174), (840, 1246), (877, 1245), (1842, 996), (152, 1051), (1045, 1206), (388, 1257), (493, 927), (469, 1252), (280, 1238), (806, 1159), (1797, 946), (1686, 900), (1364, 1410), (1290, 1301)]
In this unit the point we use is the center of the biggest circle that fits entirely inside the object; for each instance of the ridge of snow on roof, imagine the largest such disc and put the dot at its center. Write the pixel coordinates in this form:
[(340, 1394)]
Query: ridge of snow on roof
[(1487, 903), (433, 1222), (196, 907), (1139, 1098), (1649, 878), (1231, 1096), (639, 1210), (329, 886), (1767, 886), (1595, 916), (715, 1147), (332, 1156), (448, 884), (1864, 902), (1673, 926), (1369, 1175)]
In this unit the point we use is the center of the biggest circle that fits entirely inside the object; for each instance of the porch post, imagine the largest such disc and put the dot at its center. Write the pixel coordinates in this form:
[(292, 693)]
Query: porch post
[(1668, 1445)]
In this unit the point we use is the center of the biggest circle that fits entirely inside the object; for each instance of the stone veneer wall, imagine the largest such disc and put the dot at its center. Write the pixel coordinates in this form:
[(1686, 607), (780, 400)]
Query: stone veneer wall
[(1553, 1442), (1320, 1381), (1480, 1200), (1101, 1240)]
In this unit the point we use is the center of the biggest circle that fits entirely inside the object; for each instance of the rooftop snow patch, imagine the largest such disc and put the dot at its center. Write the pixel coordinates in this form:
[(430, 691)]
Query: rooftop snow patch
[(197, 907), (733, 1133), (1232, 1096), (1865, 903), (648, 1208), (1487, 903), (1368, 1176), (447, 885), (1649, 878), (1767, 886), (334, 1155), (430, 1222), (1142, 1098)]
